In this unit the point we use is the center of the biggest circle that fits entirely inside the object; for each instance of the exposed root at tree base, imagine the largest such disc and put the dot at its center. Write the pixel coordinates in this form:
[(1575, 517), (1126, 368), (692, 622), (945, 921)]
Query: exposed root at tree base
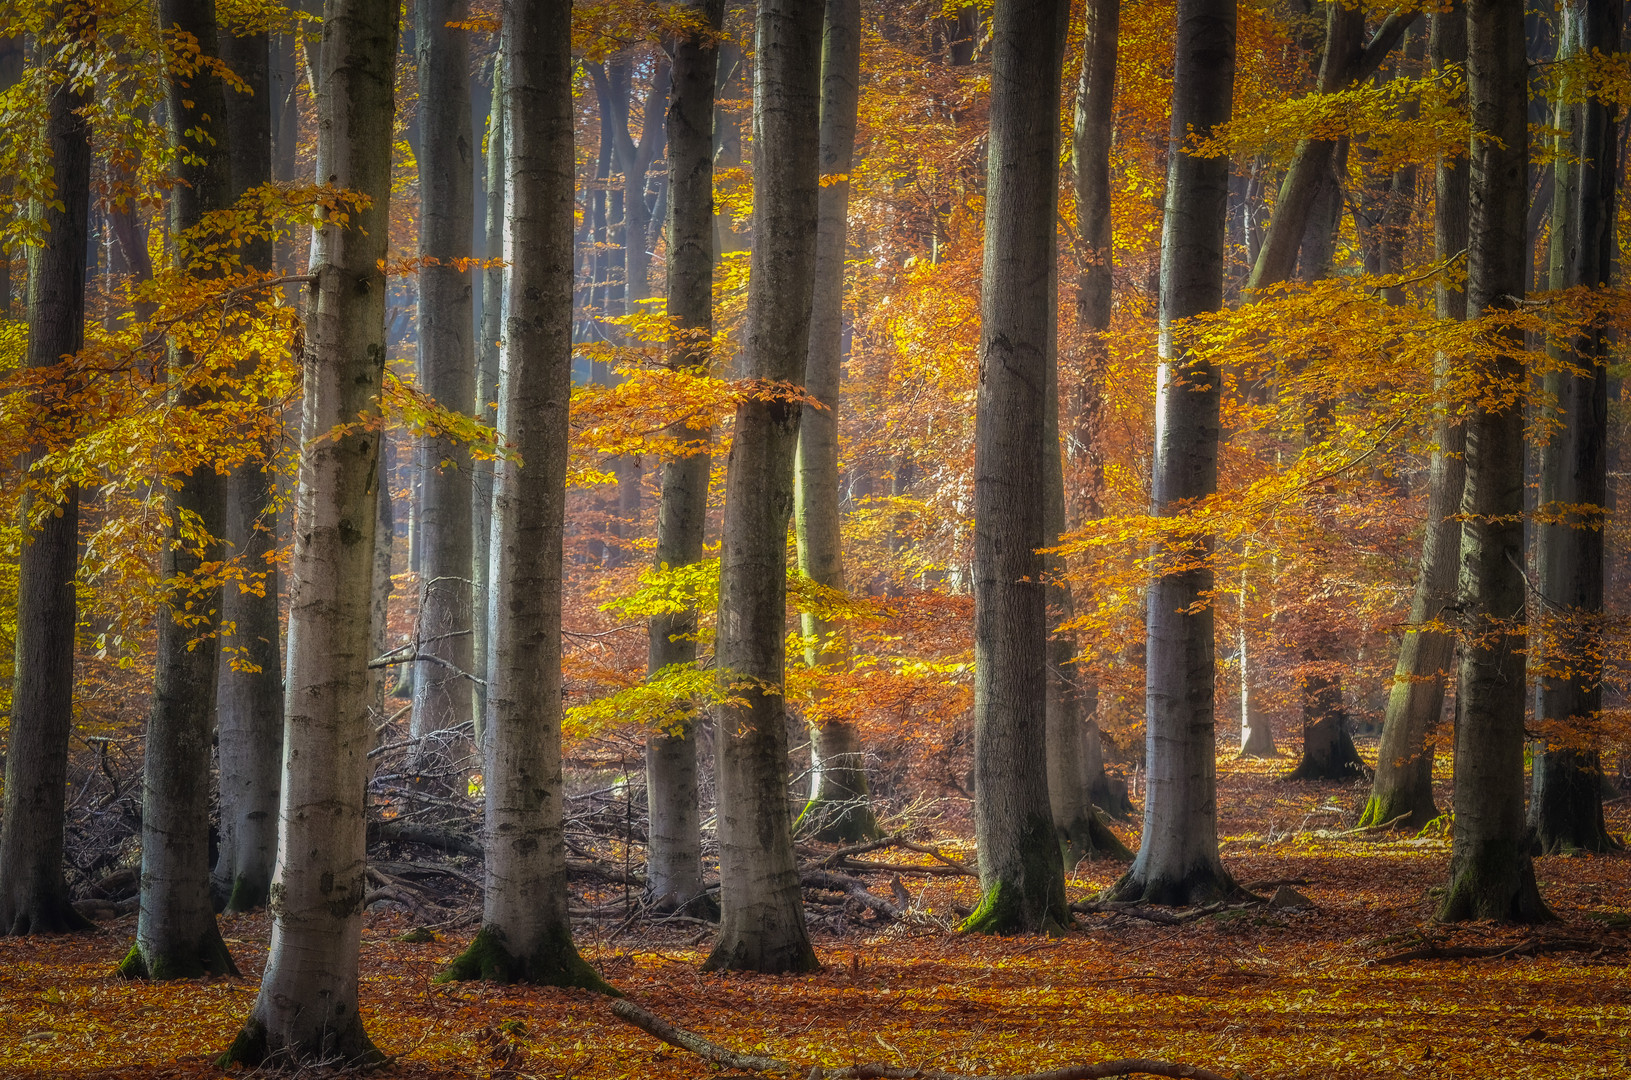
[(554, 963)]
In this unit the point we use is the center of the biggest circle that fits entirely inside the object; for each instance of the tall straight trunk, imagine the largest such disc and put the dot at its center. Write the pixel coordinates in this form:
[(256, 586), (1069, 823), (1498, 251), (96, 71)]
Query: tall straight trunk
[(1566, 805), (487, 358), (33, 894), (762, 912), (307, 1006), (1491, 874), (674, 858), (249, 684), (11, 73), (443, 691), (839, 808), (176, 935), (1178, 861), (1403, 784), (1021, 880), (526, 935)]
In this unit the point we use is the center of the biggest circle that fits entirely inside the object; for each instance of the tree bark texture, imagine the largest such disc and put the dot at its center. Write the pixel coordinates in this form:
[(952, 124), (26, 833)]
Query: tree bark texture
[(1566, 803), (1021, 879), (1491, 874), (443, 692), (674, 857), (33, 895), (1178, 861), (307, 1006), (762, 912), (526, 935), (839, 809), (487, 365)]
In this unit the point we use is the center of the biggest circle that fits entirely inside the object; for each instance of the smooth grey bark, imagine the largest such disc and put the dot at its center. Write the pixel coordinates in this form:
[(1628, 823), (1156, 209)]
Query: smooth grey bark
[(840, 808), (1491, 873), (1178, 860), (762, 911), (674, 855), (33, 895), (444, 695), (1403, 784), (526, 935), (249, 682), (1566, 801), (176, 934), (307, 1006), (487, 366), (1021, 880)]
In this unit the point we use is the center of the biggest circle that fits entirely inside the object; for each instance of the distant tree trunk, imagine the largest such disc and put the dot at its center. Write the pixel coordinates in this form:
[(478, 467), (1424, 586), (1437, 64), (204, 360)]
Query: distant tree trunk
[(307, 1006), (839, 809), (526, 935), (249, 703), (1566, 805), (1256, 728), (33, 894), (1178, 861), (1491, 874), (1403, 784), (487, 355), (11, 73), (443, 693), (1021, 880), (674, 858), (176, 935), (762, 912)]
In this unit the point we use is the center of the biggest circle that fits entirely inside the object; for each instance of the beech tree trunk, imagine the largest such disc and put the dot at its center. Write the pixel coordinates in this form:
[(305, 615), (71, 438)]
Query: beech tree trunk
[(249, 684), (1491, 874), (674, 856), (762, 912), (1178, 861), (1403, 784), (33, 894), (444, 695), (526, 935), (1021, 880), (307, 1006), (1566, 803), (487, 365), (840, 808), (11, 72)]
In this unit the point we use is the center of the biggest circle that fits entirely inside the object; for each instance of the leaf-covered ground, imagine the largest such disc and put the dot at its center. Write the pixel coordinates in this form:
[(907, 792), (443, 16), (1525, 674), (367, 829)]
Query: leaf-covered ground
[(1270, 994)]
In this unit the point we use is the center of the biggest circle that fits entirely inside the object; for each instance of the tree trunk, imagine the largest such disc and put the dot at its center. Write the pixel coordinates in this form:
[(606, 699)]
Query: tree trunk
[(526, 935), (1404, 763), (839, 809), (249, 686), (492, 329), (443, 692), (1178, 861), (11, 73), (1021, 881), (1566, 806), (33, 894), (1491, 875), (762, 923), (307, 1006), (674, 857)]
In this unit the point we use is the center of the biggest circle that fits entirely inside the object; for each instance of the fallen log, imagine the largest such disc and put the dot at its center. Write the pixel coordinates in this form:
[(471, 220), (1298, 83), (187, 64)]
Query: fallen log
[(657, 1027), (404, 832), (1527, 947), (900, 868), (827, 879)]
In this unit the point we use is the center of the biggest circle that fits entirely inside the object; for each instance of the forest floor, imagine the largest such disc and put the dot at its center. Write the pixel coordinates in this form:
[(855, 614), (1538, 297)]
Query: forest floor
[(1260, 992)]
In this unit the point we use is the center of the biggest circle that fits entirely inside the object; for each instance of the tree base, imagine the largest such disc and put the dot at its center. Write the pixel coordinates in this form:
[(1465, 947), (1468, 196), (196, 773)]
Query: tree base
[(1201, 885), (1111, 796), (1497, 884), (246, 896), (1342, 763), (701, 906), (209, 957), (1091, 839), (349, 1049), (1005, 910), (838, 821), (735, 951), (554, 963), (1402, 809), (45, 917)]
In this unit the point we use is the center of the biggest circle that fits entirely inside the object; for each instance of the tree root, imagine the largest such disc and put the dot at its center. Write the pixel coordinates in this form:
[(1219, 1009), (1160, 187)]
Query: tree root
[(1527, 947), (659, 1028), (1156, 915)]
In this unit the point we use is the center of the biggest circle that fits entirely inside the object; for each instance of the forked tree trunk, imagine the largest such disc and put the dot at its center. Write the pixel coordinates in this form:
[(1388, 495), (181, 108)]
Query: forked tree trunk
[(176, 935), (1566, 804), (1403, 784), (1178, 861), (307, 1006), (33, 894), (1021, 880), (839, 809), (249, 684), (762, 912), (1491, 873), (492, 329), (674, 857), (444, 695), (526, 935)]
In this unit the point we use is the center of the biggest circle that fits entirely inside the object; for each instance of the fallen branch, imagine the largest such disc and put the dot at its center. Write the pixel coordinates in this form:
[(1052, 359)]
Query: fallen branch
[(1527, 947), (901, 868), (405, 833), (657, 1027), (826, 879), (843, 854)]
